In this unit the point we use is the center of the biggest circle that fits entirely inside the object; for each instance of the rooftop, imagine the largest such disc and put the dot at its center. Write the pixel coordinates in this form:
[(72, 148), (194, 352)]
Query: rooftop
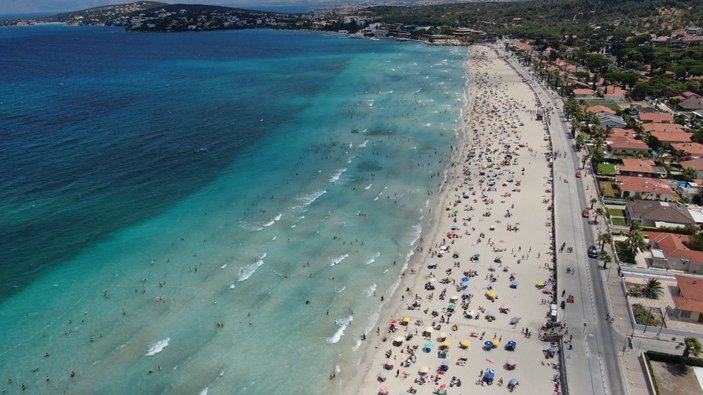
[(656, 117), (599, 108), (690, 296), (644, 185)]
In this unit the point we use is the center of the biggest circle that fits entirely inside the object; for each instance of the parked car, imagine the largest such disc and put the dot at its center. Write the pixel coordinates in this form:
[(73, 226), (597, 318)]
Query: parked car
[(585, 213), (578, 174), (593, 252)]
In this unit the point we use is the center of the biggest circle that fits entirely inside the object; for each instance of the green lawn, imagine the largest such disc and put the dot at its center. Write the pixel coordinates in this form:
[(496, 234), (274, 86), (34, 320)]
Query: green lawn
[(619, 221), (616, 212), (624, 252), (607, 188), (607, 169)]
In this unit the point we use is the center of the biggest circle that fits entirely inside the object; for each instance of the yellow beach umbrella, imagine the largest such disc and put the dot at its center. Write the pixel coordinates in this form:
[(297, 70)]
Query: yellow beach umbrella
[(540, 283), (495, 341), (464, 343), (447, 343), (491, 294), (406, 320)]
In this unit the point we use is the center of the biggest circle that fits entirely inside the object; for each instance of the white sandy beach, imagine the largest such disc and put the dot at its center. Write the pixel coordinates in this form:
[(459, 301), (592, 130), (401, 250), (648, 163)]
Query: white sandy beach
[(495, 206)]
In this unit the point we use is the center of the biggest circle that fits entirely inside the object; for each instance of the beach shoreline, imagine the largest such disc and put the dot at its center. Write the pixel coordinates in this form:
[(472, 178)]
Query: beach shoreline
[(372, 374)]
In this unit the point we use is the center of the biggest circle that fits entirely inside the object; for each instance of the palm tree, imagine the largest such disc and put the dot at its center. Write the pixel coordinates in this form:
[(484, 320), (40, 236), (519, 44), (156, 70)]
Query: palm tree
[(691, 346), (599, 212), (593, 201), (606, 258), (635, 238), (653, 289), (605, 238)]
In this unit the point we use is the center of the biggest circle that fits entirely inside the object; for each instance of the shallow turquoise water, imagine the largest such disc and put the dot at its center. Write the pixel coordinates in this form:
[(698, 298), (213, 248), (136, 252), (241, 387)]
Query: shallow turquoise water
[(291, 169)]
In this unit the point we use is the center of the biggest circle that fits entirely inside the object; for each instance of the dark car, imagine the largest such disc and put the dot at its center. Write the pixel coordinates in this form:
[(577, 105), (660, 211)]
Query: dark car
[(593, 252), (585, 213)]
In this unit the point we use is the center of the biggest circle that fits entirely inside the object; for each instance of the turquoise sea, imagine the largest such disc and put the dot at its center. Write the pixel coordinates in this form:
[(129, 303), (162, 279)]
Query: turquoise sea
[(210, 213)]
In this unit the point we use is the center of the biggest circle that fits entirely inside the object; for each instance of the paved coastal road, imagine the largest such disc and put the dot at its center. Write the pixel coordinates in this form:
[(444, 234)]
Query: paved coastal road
[(593, 365)]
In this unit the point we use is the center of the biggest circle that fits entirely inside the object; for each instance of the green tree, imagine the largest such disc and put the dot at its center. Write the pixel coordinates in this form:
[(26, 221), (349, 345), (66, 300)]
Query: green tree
[(593, 201), (605, 238), (689, 174), (606, 258), (635, 239), (691, 346), (652, 289), (598, 212)]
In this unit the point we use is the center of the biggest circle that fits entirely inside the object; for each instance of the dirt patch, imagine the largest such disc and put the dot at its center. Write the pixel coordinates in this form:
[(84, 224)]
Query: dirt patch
[(672, 381)]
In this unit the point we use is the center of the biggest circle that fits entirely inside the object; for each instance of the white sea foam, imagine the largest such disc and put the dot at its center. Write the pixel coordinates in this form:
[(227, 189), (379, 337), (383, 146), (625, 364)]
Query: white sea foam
[(368, 187), (338, 260), (203, 391), (373, 258), (370, 102), (357, 344), (342, 323), (339, 291), (417, 231), (371, 289), (311, 197), (335, 176), (223, 266), (385, 92), (157, 347), (246, 271), (363, 145)]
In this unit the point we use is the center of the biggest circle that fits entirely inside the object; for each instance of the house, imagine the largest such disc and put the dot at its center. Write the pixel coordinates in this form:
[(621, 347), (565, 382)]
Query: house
[(583, 92), (658, 117), (662, 127), (694, 163), (657, 214), (672, 137), (610, 120), (692, 102), (613, 92), (641, 168), (623, 140), (692, 150), (689, 298), (645, 188), (668, 251), (600, 109)]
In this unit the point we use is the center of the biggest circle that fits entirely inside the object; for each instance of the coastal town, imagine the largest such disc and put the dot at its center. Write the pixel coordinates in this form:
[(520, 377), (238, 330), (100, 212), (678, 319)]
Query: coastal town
[(569, 239)]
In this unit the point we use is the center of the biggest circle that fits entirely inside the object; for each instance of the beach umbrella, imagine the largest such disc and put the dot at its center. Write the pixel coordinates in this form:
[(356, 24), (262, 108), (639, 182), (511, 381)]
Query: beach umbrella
[(505, 307), (496, 341), (512, 343), (488, 344), (491, 294), (406, 320), (465, 278), (547, 289), (490, 313), (451, 306), (399, 339), (394, 322), (489, 375), (539, 284), (424, 370), (510, 362), (428, 346), (464, 284), (513, 382), (447, 343), (464, 343), (383, 391), (471, 313), (429, 329), (443, 335), (514, 283), (553, 349), (454, 298), (389, 364)]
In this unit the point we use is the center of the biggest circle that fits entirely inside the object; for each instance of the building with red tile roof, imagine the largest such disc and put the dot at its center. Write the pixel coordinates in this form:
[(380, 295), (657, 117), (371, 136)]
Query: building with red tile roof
[(689, 298), (599, 108), (695, 164), (662, 127), (641, 168), (659, 117), (672, 137), (669, 252), (583, 92), (692, 150), (645, 188), (620, 144)]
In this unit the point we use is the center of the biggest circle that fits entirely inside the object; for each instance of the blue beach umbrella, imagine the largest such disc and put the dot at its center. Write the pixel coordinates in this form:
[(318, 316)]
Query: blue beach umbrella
[(514, 283), (512, 343), (428, 345), (490, 374), (513, 382), (465, 278), (552, 349), (488, 344)]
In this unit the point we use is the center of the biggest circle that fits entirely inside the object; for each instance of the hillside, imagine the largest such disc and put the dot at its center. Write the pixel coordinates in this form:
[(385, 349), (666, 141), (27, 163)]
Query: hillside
[(101, 15), (636, 15)]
